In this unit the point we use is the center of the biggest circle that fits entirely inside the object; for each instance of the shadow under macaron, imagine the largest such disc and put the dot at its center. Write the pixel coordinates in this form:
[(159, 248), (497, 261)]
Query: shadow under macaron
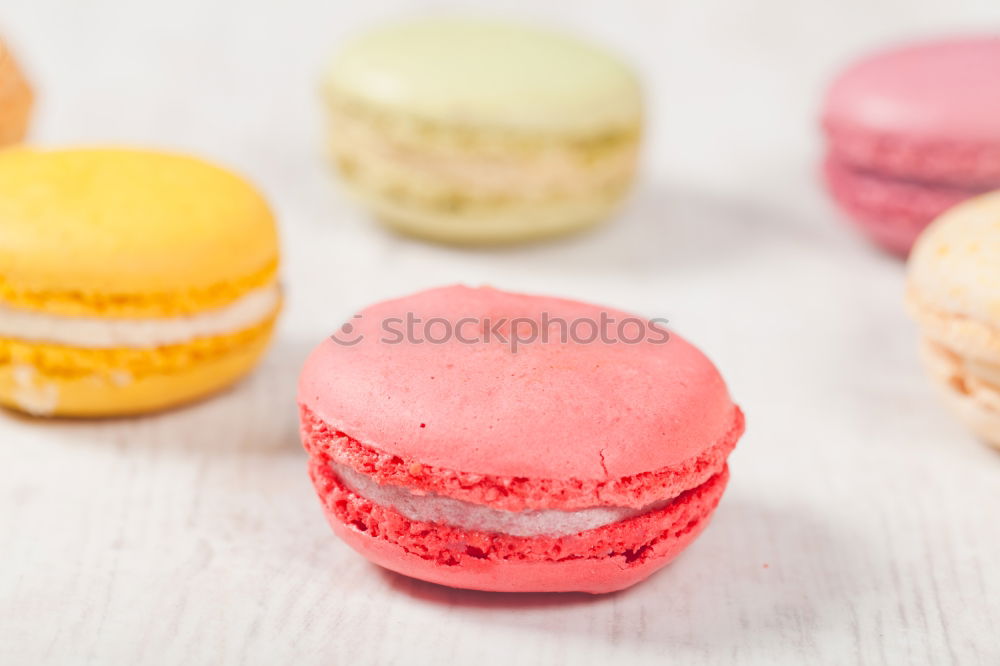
[(725, 592)]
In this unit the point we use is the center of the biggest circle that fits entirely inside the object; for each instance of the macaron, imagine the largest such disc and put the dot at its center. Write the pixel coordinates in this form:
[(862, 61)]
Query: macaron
[(15, 99), (953, 292), (506, 442), (129, 280), (911, 132), (473, 131)]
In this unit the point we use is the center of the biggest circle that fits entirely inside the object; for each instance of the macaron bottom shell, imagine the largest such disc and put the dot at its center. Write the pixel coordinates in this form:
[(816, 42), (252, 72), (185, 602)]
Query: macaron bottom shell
[(526, 221), (983, 421), (14, 119), (46, 380), (969, 387), (601, 560), (892, 212)]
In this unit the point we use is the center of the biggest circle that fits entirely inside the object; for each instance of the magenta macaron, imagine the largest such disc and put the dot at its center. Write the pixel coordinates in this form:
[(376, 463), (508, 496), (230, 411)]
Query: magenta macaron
[(496, 441), (911, 132)]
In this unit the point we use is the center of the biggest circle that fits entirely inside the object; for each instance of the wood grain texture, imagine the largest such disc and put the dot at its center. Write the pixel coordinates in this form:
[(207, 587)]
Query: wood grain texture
[(860, 524)]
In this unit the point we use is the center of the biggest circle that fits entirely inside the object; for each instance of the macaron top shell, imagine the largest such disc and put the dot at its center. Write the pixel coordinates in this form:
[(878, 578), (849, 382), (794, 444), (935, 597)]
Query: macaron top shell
[(955, 265), (945, 90), (116, 222), (550, 410), (485, 74)]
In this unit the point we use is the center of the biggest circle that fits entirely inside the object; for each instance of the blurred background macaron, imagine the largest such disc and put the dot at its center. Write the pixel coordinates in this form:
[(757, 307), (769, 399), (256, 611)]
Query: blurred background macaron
[(954, 295), (911, 132), (15, 99), (129, 280), (471, 131)]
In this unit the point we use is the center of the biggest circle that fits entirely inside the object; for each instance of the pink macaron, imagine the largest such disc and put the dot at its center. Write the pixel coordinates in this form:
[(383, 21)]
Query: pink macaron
[(496, 441), (911, 132)]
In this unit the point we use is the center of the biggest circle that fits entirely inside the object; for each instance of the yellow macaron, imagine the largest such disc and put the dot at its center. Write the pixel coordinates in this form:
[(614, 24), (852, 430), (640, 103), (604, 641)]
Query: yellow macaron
[(471, 131), (129, 280), (15, 99), (953, 292)]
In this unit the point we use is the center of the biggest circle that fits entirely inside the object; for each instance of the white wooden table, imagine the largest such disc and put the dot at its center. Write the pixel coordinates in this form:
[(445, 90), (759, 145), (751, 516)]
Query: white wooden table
[(861, 522)]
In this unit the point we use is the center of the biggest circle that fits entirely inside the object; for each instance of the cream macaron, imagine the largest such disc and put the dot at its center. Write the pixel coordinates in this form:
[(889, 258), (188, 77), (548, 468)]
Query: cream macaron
[(472, 131), (129, 280), (954, 294)]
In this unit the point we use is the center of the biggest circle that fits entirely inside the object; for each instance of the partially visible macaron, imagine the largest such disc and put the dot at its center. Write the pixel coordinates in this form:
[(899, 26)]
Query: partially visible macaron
[(129, 280), (954, 294), (506, 442), (15, 99), (472, 131), (912, 131)]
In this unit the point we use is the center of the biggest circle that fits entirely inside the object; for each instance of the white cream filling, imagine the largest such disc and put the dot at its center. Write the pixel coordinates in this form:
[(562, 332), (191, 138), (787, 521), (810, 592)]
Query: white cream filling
[(104, 332), (537, 176), (431, 508)]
